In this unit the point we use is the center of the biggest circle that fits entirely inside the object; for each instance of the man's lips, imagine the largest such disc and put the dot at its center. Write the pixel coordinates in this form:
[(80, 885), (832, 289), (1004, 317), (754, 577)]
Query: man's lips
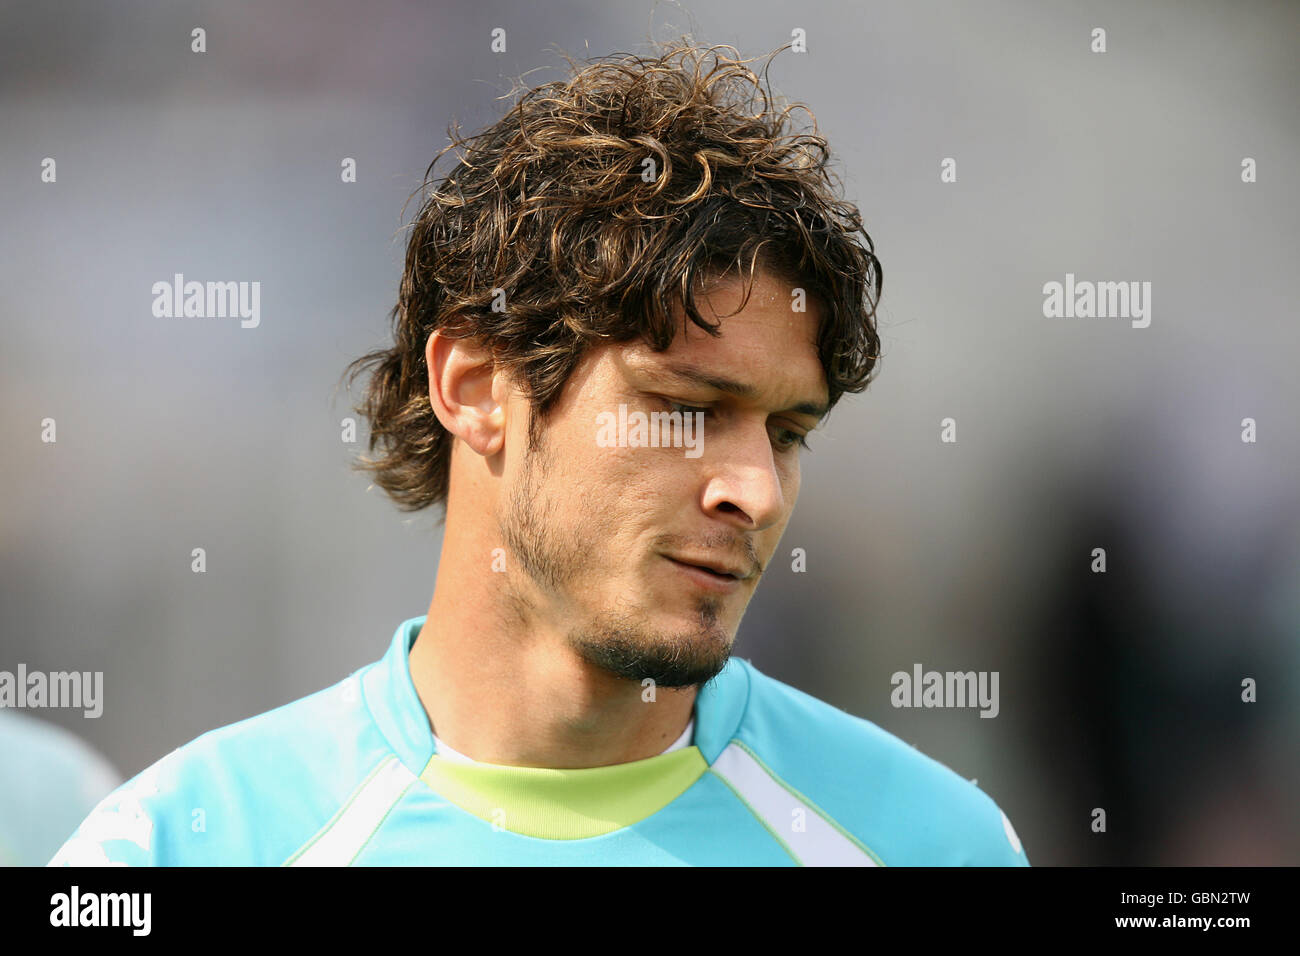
[(725, 579)]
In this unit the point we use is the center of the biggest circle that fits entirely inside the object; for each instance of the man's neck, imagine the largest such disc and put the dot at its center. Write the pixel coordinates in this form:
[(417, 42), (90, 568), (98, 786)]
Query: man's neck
[(520, 696)]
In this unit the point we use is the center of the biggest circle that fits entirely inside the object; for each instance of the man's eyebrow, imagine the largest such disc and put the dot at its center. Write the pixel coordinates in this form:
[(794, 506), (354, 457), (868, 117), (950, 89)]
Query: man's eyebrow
[(697, 376)]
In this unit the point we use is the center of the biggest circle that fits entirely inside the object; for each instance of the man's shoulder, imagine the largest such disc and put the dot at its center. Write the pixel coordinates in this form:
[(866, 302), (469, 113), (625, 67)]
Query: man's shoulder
[(250, 792), (897, 804)]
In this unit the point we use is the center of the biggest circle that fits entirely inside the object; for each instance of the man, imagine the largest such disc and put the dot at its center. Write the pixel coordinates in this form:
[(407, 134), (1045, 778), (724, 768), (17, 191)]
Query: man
[(621, 315)]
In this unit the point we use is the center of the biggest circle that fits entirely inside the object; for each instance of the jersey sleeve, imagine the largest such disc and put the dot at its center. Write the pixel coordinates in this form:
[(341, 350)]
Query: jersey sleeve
[(124, 828)]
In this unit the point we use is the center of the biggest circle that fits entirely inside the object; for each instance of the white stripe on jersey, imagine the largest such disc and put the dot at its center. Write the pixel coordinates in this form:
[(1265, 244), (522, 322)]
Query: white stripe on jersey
[(343, 839), (813, 841)]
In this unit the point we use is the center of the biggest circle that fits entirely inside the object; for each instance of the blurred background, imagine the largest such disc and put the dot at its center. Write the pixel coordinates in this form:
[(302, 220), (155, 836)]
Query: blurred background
[(1119, 691)]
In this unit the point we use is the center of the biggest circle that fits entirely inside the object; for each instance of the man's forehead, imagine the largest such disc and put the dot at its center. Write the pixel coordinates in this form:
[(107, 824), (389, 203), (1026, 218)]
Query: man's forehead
[(764, 350)]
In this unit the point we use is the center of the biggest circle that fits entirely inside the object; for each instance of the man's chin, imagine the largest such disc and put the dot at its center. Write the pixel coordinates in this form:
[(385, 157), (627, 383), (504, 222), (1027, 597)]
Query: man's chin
[(667, 664)]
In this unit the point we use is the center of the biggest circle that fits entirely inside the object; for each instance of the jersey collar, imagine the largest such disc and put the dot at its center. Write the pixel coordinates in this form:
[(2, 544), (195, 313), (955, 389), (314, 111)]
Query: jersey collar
[(555, 803)]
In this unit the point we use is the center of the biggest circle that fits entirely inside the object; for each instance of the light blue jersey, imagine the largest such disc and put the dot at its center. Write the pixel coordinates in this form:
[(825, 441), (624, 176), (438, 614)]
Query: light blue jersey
[(350, 775)]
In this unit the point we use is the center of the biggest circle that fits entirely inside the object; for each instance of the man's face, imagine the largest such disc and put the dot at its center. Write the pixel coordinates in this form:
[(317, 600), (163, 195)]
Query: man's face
[(603, 533)]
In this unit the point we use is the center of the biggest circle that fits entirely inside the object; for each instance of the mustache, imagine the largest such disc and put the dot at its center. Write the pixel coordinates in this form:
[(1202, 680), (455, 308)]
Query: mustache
[(724, 545)]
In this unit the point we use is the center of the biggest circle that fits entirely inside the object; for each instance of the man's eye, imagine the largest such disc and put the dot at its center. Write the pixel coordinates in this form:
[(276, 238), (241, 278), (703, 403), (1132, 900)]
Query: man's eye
[(686, 409), (789, 439)]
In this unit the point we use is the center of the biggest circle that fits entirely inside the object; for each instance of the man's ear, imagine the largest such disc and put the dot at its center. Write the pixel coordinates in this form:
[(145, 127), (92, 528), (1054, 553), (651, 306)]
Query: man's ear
[(465, 393)]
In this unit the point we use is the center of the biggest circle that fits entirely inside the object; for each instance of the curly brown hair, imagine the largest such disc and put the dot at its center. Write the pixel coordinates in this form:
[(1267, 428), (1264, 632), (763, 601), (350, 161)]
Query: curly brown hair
[(591, 207)]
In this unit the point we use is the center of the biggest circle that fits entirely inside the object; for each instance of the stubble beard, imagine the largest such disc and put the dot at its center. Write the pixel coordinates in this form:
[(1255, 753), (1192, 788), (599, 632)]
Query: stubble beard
[(619, 639)]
